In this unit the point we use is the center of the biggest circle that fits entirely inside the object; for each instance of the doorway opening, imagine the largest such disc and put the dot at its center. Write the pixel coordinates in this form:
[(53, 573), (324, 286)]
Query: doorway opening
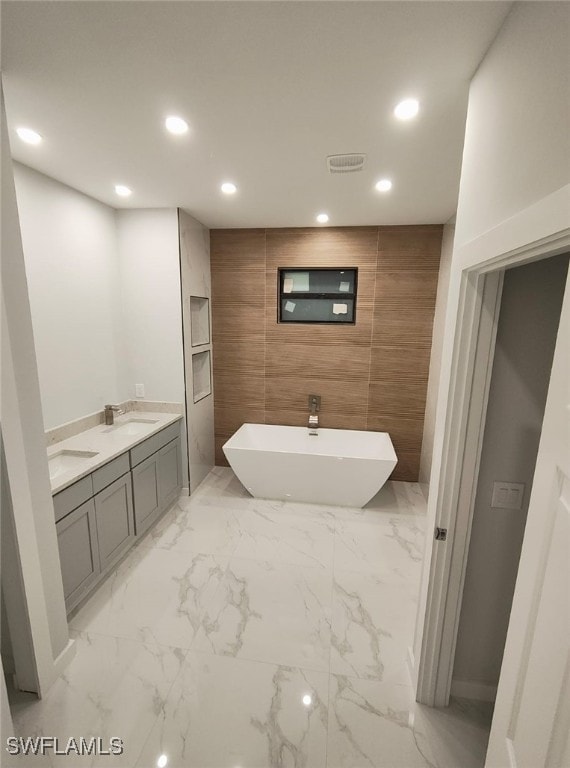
[(526, 332), (479, 302), (509, 329)]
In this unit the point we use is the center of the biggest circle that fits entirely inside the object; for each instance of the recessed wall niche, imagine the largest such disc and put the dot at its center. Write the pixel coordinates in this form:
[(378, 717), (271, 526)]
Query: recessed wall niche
[(199, 320), (201, 379), (196, 305)]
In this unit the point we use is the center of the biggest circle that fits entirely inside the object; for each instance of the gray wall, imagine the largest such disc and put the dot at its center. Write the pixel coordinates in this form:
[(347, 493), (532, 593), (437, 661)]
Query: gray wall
[(72, 269), (35, 545), (528, 322)]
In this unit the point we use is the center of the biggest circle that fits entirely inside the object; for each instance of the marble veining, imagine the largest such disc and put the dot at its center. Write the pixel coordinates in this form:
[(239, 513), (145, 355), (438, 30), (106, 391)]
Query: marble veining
[(373, 621), (270, 612), (409, 538), (271, 534), (232, 712), (244, 632), (282, 748), (358, 614), (370, 725), (155, 406), (386, 543), (113, 687), (75, 427), (155, 594)]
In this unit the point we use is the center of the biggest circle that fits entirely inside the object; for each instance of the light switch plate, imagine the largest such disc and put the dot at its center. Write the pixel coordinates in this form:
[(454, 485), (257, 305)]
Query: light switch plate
[(507, 495), (139, 390)]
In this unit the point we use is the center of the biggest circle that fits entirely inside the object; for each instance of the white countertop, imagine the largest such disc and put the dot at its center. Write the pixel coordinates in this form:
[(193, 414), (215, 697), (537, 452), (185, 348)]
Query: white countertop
[(106, 443)]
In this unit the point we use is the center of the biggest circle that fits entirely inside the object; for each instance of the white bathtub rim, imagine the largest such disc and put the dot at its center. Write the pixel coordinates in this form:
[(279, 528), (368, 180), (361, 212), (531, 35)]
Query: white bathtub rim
[(388, 451)]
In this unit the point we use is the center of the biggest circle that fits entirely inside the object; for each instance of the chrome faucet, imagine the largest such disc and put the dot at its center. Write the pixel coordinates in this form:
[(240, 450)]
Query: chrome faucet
[(314, 406), (110, 411)]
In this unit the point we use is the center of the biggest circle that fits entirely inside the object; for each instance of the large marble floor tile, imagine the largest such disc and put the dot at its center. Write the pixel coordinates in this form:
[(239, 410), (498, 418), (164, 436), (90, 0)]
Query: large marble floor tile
[(286, 534), (371, 725), (112, 688), (401, 497), (393, 499), (410, 498), (372, 627), (277, 602), (270, 612), (323, 513), (458, 734), (393, 547), (196, 529), (155, 594), (228, 713), (220, 484)]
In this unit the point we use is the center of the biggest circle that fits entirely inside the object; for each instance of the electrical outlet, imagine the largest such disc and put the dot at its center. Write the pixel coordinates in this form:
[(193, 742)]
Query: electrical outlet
[(507, 495), (139, 390)]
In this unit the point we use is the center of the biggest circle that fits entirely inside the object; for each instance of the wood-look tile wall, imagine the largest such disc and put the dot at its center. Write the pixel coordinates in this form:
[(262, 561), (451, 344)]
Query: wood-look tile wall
[(371, 375)]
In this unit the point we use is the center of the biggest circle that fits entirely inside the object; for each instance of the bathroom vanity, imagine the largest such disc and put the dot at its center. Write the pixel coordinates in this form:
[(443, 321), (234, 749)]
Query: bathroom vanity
[(123, 479)]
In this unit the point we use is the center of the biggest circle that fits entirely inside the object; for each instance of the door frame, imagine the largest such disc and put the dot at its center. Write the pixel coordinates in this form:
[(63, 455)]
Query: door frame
[(479, 300)]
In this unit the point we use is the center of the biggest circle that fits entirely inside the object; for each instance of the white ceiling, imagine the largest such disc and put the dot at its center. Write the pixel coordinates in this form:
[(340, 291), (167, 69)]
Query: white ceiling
[(269, 89)]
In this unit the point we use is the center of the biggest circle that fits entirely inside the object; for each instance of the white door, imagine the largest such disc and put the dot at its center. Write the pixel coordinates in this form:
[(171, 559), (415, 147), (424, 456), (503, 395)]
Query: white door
[(531, 724)]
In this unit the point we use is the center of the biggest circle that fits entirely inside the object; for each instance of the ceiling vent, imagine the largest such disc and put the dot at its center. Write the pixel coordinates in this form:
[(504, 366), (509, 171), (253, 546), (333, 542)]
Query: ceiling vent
[(345, 163)]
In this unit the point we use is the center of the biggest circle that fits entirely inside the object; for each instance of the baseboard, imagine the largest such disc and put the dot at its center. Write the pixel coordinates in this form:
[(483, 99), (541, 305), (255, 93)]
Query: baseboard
[(468, 689), (61, 662)]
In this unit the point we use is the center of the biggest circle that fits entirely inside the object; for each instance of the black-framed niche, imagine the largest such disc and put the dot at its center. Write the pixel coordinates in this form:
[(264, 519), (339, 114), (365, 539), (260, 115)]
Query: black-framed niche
[(317, 295)]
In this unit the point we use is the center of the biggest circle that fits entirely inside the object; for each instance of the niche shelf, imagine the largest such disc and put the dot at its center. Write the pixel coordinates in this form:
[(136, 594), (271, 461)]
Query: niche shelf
[(201, 376), (199, 320)]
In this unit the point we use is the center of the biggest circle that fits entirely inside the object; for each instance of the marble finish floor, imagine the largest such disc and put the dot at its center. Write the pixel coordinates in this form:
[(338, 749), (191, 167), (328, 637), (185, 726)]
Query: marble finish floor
[(242, 633)]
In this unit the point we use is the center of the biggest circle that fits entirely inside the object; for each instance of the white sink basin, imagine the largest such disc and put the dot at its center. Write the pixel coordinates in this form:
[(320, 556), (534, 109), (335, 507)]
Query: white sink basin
[(132, 427), (66, 460)]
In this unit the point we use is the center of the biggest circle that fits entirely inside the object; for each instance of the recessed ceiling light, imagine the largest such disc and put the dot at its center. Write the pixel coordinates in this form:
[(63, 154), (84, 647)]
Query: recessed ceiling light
[(307, 700), (228, 188), (162, 761), (407, 109), (383, 185), (29, 136), (176, 125), (123, 191), (322, 218)]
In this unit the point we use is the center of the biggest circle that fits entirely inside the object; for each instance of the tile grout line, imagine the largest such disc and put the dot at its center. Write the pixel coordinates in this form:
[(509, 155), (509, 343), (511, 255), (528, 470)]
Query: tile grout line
[(330, 681), (163, 707)]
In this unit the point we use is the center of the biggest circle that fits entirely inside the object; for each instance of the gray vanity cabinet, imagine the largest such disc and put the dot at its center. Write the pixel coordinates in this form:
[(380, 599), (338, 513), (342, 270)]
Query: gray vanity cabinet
[(156, 483), (114, 516), (78, 552), (145, 493), (98, 517), (169, 475)]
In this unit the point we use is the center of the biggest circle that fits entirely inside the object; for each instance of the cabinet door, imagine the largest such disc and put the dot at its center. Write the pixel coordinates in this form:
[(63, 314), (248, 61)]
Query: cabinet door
[(78, 552), (169, 474), (145, 493), (114, 516)]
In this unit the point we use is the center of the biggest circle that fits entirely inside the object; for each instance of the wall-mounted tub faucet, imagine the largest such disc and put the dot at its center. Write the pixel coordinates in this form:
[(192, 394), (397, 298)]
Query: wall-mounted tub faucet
[(314, 407), (110, 411)]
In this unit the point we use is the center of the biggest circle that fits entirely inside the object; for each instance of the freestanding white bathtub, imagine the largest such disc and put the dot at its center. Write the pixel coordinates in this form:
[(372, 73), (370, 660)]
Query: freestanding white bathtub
[(341, 467)]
